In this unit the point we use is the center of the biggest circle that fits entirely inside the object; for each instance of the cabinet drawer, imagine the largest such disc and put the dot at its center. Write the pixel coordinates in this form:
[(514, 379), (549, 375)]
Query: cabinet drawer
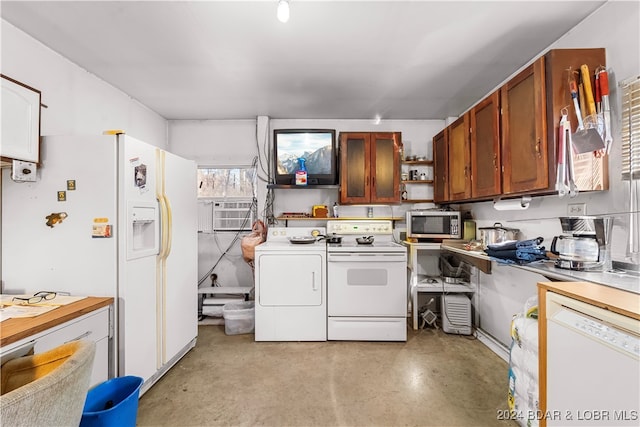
[(93, 326)]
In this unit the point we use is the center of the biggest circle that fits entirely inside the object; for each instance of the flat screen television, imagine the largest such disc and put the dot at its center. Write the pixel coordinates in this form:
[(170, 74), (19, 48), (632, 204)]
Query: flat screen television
[(316, 146)]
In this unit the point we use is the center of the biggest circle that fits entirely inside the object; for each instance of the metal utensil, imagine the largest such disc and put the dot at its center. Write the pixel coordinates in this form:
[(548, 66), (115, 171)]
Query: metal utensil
[(603, 78), (585, 140), (562, 186), (573, 188)]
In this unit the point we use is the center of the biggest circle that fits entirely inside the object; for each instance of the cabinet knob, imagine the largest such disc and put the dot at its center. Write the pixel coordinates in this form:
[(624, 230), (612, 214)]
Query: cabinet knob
[(538, 147)]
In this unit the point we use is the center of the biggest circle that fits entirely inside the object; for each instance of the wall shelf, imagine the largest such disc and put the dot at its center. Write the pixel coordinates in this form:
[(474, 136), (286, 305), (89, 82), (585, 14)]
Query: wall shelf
[(351, 218), (304, 187)]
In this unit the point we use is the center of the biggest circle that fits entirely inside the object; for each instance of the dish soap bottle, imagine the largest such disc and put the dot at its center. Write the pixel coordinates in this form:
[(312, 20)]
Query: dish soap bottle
[(301, 173)]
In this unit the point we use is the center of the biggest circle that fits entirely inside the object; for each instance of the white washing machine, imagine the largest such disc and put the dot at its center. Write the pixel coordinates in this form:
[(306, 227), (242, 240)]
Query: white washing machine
[(291, 285)]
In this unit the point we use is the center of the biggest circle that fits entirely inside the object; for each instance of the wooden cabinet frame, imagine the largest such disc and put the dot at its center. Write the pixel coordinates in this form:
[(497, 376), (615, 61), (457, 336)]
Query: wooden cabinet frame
[(486, 159), (364, 172), (441, 167), (524, 140), (459, 159)]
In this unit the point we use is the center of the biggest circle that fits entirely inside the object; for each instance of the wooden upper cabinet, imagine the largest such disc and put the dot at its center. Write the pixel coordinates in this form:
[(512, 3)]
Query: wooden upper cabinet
[(525, 160), (484, 122), (507, 143), (440, 167), (459, 159), (370, 167)]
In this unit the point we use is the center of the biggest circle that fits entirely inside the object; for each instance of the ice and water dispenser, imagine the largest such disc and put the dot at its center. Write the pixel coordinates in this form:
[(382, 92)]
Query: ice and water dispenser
[(143, 224)]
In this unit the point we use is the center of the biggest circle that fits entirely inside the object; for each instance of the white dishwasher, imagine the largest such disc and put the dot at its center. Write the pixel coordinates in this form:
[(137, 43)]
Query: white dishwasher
[(593, 365)]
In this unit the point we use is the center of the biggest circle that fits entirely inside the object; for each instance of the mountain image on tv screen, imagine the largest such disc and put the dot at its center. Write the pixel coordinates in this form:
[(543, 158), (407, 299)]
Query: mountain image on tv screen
[(314, 148)]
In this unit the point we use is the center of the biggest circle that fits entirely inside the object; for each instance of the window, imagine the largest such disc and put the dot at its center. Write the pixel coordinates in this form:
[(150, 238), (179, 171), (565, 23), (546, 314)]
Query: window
[(631, 159), (226, 198), (631, 129)]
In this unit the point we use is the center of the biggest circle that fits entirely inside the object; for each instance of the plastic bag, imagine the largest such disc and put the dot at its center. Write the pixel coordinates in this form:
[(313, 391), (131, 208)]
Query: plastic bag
[(250, 241)]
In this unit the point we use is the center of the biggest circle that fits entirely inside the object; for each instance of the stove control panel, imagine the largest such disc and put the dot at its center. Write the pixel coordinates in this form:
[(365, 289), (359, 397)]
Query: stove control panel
[(356, 227)]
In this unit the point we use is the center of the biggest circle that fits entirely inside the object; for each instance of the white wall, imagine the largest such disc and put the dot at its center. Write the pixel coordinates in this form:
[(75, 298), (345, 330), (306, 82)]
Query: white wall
[(79, 103), (416, 139), (217, 143), (237, 142)]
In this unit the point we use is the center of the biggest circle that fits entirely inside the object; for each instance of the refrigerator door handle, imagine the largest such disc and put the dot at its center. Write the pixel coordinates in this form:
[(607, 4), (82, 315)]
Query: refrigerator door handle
[(165, 206), (167, 226), (163, 231)]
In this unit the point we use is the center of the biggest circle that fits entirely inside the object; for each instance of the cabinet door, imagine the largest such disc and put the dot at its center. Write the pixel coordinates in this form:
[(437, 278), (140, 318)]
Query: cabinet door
[(385, 167), (459, 159), (20, 121), (484, 122), (440, 168), (355, 152), (524, 141)]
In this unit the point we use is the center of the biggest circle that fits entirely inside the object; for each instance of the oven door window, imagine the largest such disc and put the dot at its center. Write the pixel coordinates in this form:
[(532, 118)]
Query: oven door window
[(361, 285)]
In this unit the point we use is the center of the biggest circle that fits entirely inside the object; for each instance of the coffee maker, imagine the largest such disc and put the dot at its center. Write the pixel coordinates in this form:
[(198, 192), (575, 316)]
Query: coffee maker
[(585, 244)]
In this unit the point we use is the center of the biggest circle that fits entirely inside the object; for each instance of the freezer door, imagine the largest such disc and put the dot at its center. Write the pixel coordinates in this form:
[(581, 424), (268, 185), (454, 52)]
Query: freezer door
[(179, 284)]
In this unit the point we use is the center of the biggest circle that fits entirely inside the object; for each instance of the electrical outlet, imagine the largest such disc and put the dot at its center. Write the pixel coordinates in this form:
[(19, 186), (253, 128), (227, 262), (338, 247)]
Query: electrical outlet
[(577, 209)]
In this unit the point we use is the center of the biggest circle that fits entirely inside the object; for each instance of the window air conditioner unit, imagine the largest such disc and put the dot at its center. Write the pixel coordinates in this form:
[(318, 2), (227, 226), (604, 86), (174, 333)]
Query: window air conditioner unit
[(225, 215)]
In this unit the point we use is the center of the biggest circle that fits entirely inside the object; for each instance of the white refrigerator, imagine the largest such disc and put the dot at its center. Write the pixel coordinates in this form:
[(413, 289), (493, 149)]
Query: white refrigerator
[(111, 216)]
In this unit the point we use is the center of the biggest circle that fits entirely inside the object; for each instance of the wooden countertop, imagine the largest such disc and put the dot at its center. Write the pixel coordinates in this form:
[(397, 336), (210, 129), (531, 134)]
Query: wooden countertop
[(612, 299), (12, 330)]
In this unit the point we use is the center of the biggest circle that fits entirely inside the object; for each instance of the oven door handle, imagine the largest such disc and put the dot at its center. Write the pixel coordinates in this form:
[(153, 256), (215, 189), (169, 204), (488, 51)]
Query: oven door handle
[(366, 257)]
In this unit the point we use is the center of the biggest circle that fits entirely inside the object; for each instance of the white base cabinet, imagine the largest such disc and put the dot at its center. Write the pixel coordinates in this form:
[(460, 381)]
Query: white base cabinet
[(95, 326)]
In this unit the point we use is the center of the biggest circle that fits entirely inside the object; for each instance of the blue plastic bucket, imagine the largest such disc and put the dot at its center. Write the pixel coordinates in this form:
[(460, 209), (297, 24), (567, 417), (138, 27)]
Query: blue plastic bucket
[(112, 403)]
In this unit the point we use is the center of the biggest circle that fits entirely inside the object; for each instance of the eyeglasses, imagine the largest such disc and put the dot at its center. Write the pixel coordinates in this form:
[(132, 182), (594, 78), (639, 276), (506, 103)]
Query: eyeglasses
[(36, 298)]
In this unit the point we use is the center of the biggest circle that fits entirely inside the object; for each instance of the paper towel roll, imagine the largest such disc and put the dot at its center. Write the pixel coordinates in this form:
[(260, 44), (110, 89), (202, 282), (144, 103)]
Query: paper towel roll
[(512, 204)]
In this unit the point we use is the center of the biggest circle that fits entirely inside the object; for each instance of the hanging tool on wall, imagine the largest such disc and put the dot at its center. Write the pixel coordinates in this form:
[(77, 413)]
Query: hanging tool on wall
[(588, 91), (603, 79), (562, 186), (573, 188), (585, 138), (598, 93), (565, 183)]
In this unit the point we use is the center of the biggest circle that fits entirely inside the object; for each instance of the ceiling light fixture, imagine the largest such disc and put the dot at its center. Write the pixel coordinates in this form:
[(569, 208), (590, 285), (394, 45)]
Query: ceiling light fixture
[(283, 10)]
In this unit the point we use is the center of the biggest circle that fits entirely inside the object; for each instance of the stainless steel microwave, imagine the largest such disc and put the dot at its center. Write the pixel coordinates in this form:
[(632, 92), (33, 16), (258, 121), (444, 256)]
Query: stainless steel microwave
[(434, 224)]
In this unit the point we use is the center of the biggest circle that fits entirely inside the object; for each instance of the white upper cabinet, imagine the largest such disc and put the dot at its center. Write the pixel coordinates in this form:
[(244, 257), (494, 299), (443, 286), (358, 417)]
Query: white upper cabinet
[(20, 121)]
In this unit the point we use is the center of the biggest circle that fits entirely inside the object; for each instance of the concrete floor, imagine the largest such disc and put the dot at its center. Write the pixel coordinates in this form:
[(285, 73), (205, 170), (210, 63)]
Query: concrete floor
[(433, 379)]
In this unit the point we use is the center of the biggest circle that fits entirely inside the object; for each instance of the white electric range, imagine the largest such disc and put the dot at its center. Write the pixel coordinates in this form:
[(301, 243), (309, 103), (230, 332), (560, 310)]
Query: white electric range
[(366, 283)]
